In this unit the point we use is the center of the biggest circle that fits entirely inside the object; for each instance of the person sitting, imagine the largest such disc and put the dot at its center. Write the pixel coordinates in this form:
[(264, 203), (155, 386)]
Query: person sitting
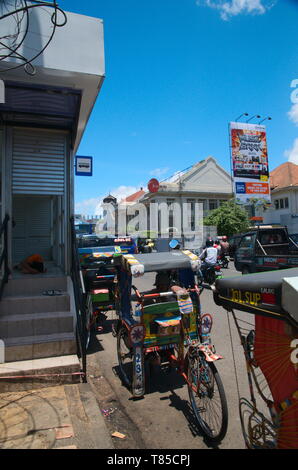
[(208, 256), (224, 244), (33, 264), (163, 283), (217, 246)]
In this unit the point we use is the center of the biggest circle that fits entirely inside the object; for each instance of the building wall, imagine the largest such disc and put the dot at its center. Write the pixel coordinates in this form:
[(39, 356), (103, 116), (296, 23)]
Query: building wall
[(283, 215)]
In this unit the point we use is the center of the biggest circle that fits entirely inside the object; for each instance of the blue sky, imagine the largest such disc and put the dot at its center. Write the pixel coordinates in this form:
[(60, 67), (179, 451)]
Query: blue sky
[(177, 71)]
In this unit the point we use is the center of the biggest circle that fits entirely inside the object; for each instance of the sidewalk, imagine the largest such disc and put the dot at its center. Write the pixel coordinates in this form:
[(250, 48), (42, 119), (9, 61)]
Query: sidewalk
[(58, 417)]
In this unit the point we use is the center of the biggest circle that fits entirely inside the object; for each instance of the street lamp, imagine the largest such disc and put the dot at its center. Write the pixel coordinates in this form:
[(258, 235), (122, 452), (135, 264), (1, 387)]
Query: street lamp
[(269, 119), (256, 115), (243, 114)]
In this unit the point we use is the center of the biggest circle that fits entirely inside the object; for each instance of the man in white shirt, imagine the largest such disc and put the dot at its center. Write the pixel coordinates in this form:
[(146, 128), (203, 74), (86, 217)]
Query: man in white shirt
[(208, 256)]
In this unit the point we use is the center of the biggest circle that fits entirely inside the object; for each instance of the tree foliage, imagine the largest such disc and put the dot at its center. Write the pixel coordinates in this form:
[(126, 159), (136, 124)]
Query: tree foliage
[(229, 218)]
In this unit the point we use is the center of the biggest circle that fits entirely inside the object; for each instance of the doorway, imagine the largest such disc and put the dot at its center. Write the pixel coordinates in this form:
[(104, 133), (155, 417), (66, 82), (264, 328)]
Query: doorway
[(37, 228)]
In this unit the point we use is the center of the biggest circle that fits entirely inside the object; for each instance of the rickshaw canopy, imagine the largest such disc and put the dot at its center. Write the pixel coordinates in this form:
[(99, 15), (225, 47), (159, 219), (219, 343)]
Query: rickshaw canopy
[(273, 294), (138, 264)]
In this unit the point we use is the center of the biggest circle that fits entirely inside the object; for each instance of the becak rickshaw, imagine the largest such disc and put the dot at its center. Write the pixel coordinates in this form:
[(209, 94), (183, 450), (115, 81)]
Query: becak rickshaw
[(166, 323), (99, 275), (270, 342)]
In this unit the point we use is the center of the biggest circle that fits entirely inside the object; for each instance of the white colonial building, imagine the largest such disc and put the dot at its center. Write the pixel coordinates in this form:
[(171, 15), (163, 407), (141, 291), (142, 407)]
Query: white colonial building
[(205, 183), (284, 197)]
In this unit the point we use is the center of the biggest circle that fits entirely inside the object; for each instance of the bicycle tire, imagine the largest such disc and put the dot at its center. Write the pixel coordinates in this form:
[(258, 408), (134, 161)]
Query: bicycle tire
[(124, 351), (204, 401)]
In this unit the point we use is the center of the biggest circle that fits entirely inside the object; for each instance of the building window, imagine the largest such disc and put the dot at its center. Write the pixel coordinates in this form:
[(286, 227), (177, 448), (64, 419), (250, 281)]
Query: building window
[(191, 214), (212, 204), (276, 204), (286, 203), (281, 203)]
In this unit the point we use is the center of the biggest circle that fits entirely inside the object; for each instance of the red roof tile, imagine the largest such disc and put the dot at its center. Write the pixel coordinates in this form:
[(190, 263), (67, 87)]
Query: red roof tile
[(284, 175), (135, 196)]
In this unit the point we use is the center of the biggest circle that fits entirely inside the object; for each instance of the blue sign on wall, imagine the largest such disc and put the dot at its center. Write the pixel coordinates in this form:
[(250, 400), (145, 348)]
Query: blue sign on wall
[(83, 166), (240, 188)]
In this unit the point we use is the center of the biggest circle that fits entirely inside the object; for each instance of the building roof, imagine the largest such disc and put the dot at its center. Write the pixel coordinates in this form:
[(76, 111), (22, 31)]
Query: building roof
[(134, 197), (284, 175)]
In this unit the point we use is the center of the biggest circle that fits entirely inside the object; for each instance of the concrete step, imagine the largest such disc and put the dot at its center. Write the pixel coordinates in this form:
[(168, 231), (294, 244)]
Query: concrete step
[(35, 324), (23, 370), (28, 304), (32, 285), (41, 346)]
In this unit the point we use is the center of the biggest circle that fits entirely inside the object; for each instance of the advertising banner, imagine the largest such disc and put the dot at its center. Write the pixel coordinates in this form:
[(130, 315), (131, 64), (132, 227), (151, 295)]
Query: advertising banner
[(250, 170)]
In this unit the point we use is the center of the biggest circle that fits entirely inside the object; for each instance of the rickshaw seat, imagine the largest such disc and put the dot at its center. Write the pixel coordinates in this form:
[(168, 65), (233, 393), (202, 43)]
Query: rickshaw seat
[(258, 293), (162, 322)]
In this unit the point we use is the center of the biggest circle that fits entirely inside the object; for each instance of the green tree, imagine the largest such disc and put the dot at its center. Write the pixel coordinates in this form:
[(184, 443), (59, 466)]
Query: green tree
[(229, 218)]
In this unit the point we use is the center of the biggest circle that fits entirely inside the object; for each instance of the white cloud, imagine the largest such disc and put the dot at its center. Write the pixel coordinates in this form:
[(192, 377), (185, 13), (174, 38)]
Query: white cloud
[(87, 207), (92, 206), (292, 154), (158, 172), (229, 8), (293, 114)]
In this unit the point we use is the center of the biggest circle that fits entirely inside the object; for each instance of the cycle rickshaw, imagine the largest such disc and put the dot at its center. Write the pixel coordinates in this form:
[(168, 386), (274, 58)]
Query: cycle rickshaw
[(270, 418), (171, 325), (99, 276)]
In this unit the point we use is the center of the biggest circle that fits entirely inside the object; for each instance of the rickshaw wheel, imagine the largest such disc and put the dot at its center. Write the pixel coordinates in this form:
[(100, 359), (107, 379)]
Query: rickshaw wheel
[(207, 398), (125, 356)]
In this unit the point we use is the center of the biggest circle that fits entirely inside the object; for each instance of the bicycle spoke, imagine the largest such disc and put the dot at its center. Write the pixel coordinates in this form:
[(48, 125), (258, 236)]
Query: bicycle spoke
[(207, 398)]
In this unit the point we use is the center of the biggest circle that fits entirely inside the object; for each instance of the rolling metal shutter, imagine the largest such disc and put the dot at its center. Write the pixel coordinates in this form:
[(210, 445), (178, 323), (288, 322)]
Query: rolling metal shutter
[(38, 162)]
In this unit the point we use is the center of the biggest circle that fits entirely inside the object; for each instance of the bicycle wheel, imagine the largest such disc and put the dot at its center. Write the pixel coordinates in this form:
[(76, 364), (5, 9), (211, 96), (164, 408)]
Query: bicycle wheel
[(125, 356), (207, 398)]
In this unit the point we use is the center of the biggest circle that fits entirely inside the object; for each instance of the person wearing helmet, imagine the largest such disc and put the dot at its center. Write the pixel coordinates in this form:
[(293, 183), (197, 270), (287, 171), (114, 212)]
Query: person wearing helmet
[(208, 256), (174, 244), (225, 246), (217, 246)]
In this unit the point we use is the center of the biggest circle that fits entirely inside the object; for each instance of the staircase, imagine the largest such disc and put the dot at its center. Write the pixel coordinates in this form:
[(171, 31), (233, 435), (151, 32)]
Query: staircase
[(38, 332)]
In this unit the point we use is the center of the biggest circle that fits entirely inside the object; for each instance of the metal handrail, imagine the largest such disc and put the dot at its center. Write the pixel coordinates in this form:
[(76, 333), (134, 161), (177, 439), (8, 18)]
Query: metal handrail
[(80, 300), (4, 254)]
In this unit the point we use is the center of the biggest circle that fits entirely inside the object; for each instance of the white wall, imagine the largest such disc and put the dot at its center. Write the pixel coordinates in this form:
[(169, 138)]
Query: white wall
[(77, 46), (286, 216)]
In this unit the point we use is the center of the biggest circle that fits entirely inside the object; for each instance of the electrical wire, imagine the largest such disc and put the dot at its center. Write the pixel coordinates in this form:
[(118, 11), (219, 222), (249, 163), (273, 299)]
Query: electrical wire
[(19, 12)]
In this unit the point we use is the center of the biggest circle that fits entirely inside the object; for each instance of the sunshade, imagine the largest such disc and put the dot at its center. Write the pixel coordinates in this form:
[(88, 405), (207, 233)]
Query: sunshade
[(138, 264)]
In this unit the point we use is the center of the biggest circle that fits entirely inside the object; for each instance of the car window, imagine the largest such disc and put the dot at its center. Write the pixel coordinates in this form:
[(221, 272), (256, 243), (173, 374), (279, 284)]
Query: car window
[(247, 242), (272, 237)]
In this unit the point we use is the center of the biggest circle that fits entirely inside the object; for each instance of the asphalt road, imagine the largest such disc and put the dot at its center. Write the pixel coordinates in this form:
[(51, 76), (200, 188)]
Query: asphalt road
[(163, 418)]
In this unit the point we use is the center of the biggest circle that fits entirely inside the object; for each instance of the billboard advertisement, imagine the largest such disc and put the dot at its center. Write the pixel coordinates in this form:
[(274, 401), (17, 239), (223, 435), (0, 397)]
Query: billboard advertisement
[(250, 170)]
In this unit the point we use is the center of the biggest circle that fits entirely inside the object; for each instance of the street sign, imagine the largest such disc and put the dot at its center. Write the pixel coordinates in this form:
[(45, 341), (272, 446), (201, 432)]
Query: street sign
[(83, 166), (153, 185)]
